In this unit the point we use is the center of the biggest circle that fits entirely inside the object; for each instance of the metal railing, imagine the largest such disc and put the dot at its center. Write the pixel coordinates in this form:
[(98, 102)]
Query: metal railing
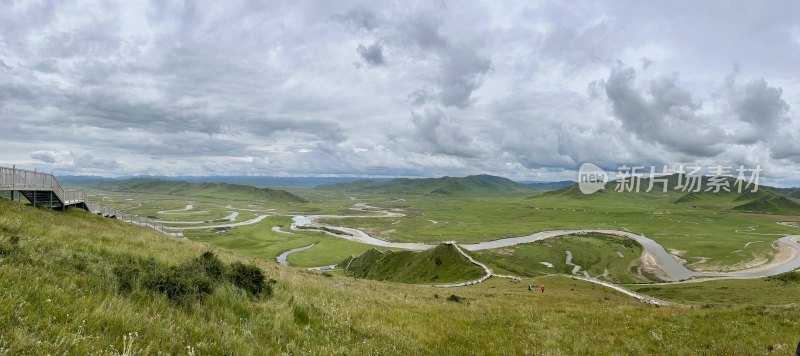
[(23, 179), (15, 179)]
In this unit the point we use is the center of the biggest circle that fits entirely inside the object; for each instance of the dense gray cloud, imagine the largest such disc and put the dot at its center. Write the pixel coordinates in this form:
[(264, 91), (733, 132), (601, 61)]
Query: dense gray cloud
[(359, 17), (372, 54), (525, 90), (439, 134), (758, 104), (666, 114)]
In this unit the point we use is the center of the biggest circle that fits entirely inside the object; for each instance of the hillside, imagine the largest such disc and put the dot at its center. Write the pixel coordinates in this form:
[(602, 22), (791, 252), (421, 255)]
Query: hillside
[(444, 186), (780, 205), (767, 200), (441, 264), (549, 185), (791, 192), (62, 295), (168, 187)]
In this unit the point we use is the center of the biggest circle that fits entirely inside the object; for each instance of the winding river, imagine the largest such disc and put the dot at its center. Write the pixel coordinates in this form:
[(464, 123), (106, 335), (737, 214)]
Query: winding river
[(672, 268), (282, 257)]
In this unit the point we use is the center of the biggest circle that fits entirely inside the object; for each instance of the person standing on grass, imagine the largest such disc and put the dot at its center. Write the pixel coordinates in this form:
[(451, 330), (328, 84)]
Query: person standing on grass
[(530, 288), (542, 288)]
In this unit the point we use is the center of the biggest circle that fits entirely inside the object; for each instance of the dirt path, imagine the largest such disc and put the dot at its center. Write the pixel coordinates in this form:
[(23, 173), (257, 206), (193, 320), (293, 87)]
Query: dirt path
[(487, 271), (575, 268)]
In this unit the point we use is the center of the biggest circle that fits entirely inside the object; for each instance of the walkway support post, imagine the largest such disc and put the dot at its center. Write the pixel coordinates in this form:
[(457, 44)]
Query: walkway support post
[(14, 182)]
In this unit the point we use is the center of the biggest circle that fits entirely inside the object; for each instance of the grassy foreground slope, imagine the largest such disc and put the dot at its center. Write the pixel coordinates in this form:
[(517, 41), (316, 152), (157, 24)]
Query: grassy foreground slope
[(440, 264), (58, 295), (232, 191)]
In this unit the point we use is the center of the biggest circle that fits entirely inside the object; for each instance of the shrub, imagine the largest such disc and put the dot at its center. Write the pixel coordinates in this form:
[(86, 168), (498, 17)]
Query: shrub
[(454, 298), (190, 282), (250, 278), (127, 277), (179, 284), (209, 264), (786, 277)]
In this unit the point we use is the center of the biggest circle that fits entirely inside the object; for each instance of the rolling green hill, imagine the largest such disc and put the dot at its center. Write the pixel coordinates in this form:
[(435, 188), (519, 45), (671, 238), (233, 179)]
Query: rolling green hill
[(441, 264), (168, 187), (780, 205), (764, 201), (444, 186), (549, 185), (791, 192), (767, 200)]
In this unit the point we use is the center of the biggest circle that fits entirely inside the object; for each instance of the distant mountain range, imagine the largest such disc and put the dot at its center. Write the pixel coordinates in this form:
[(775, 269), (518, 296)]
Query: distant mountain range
[(444, 186), (256, 181), (269, 181), (214, 190)]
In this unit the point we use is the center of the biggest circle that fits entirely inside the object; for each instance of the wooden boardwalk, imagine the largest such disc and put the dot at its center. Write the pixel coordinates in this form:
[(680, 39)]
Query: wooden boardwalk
[(44, 190)]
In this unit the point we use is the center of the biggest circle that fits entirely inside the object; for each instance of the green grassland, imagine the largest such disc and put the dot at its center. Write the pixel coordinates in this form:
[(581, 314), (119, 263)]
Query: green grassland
[(145, 203), (595, 253), (59, 295), (259, 241), (703, 229), (722, 293), (441, 264), (707, 237)]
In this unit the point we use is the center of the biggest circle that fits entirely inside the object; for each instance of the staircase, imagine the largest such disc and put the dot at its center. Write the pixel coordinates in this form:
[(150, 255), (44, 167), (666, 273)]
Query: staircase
[(42, 189), (43, 198)]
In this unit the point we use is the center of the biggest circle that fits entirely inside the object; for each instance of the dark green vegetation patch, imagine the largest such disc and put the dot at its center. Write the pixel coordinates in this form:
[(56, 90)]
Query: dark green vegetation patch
[(190, 282), (441, 264), (786, 278)]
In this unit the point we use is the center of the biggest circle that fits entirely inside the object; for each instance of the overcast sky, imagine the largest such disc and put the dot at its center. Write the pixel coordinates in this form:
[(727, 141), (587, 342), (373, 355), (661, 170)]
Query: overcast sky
[(528, 90)]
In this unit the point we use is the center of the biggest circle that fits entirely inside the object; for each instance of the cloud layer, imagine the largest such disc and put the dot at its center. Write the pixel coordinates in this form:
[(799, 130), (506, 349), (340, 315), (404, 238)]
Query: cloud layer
[(525, 90)]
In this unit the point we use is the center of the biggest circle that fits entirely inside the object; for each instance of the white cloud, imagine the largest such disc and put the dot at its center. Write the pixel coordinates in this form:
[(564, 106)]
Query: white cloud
[(518, 89)]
